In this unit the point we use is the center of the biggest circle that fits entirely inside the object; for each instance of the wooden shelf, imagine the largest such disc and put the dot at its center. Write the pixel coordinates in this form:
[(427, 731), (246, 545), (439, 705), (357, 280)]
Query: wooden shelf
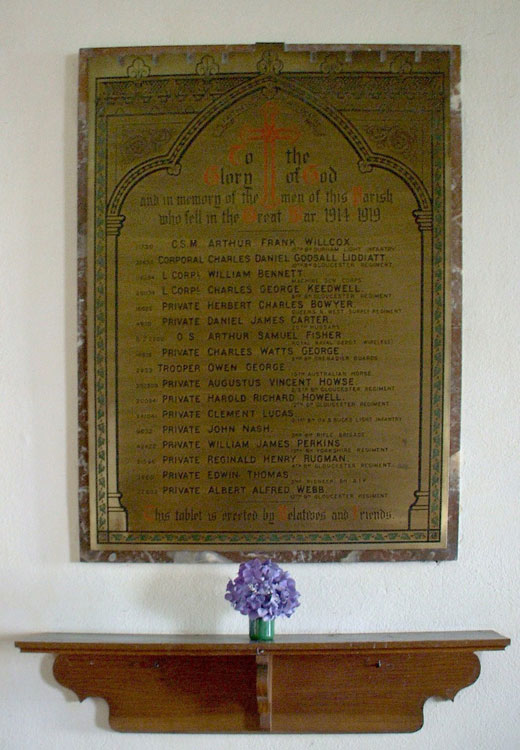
[(299, 683)]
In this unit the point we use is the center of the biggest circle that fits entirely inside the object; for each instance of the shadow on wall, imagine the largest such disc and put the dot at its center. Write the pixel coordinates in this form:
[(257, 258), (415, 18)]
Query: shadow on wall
[(187, 601)]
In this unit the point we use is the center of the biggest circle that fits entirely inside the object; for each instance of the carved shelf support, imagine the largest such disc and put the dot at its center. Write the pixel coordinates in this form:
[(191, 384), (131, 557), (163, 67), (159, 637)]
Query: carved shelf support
[(264, 688), (327, 683)]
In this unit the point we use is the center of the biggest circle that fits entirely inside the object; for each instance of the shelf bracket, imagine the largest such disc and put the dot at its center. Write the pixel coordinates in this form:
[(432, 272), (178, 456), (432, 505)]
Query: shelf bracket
[(264, 689)]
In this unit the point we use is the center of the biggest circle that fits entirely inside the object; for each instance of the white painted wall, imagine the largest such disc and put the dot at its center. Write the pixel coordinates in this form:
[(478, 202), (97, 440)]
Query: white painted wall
[(41, 587)]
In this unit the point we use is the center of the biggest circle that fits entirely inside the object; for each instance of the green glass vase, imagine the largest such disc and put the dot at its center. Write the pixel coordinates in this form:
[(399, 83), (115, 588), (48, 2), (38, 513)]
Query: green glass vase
[(261, 630)]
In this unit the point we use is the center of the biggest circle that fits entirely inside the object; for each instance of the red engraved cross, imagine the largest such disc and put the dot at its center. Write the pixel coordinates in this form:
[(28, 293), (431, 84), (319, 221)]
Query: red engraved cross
[(268, 134)]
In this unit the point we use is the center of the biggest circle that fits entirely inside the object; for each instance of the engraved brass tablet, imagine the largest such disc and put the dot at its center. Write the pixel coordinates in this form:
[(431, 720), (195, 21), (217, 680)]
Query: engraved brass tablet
[(269, 260)]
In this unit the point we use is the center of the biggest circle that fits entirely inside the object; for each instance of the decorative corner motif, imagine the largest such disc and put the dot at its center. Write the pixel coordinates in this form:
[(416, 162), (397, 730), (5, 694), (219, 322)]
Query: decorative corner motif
[(269, 63), (331, 65), (138, 144), (207, 67), (396, 138), (401, 63), (138, 69), (270, 91), (424, 220), (114, 225), (364, 167)]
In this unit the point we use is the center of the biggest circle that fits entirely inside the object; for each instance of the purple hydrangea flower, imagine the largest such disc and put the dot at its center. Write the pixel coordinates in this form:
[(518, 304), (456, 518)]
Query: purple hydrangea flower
[(262, 590)]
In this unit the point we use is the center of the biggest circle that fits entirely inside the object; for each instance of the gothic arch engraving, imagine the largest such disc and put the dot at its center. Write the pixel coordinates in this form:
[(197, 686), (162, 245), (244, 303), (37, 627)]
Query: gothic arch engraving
[(368, 160), (171, 161)]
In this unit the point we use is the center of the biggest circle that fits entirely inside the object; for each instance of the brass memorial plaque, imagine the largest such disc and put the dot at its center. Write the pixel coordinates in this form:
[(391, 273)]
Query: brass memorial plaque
[(266, 287)]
